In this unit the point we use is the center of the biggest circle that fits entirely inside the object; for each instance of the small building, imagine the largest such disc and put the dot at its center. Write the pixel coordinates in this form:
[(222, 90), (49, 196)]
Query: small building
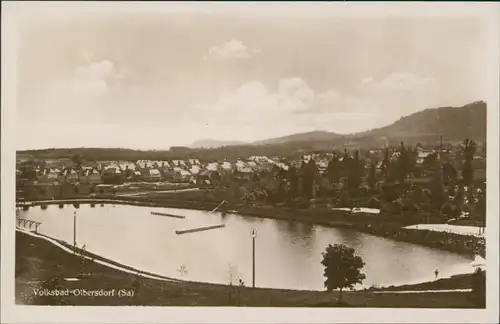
[(182, 176), (49, 175), (153, 175), (194, 162), (194, 170), (135, 176), (112, 176), (213, 166), (91, 177), (69, 176)]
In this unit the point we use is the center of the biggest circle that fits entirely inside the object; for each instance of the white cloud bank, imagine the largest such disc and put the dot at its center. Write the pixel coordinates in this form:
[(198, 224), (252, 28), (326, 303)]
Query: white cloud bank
[(295, 106), (232, 49)]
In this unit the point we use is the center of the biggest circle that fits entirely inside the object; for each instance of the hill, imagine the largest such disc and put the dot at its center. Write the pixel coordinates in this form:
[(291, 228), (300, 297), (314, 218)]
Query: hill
[(454, 124), (208, 143), (301, 137)]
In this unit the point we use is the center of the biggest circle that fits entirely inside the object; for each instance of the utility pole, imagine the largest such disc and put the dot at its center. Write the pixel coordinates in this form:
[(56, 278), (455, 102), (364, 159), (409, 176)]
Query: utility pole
[(74, 231), (254, 235)]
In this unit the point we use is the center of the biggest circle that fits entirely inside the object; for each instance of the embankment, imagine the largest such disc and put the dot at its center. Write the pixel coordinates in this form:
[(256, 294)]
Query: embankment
[(385, 226)]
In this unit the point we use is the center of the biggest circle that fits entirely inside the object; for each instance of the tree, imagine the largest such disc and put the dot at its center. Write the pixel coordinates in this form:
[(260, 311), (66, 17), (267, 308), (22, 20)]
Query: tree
[(342, 268), (449, 173), (355, 173), (309, 172), (372, 175), (293, 179), (403, 164), (333, 169), (468, 150), (438, 195), (386, 164), (77, 158)]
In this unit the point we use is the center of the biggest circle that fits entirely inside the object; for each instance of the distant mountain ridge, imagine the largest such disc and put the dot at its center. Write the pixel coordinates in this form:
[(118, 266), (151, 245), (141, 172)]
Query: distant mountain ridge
[(301, 137), (208, 143), (453, 123)]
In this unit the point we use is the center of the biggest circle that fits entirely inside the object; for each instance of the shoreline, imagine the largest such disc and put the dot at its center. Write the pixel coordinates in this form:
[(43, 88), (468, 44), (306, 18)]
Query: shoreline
[(387, 227), (168, 292)]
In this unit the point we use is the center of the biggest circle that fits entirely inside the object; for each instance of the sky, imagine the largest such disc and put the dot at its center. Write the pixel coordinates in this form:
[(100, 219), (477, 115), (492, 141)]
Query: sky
[(150, 80)]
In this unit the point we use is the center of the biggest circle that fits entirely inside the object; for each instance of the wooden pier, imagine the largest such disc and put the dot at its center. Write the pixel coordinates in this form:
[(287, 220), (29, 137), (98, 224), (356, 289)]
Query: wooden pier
[(168, 215), (206, 228)]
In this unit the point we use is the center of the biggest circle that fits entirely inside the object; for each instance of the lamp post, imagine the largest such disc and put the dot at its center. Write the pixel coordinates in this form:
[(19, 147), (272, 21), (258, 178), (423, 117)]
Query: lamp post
[(253, 233), (74, 231)]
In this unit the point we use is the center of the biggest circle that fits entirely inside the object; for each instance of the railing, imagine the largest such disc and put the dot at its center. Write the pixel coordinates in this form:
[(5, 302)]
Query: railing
[(28, 224)]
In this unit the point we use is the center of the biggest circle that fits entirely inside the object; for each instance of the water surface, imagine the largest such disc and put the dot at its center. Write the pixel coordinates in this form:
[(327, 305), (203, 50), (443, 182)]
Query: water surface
[(288, 254)]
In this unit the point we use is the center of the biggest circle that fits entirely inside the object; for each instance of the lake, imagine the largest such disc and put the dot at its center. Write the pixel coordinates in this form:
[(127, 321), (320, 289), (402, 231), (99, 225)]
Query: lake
[(288, 254)]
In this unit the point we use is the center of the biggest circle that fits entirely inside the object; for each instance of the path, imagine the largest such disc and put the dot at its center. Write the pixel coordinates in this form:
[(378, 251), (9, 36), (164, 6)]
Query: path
[(109, 265)]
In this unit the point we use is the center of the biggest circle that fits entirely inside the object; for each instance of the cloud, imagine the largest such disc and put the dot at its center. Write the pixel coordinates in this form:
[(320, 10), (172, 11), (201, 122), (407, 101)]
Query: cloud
[(297, 90), (399, 94), (367, 80), (402, 81), (90, 89), (232, 49), (293, 106), (252, 99), (94, 78), (333, 100)]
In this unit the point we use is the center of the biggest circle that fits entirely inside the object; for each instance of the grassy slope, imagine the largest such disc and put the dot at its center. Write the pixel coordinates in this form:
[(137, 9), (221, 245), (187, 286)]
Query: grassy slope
[(38, 260)]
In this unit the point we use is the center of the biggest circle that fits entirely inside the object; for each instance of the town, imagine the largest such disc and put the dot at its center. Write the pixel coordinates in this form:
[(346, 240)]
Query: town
[(447, 179)]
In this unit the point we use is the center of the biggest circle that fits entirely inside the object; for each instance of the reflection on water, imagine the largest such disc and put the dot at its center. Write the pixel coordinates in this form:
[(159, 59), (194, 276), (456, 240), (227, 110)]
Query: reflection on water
[(288, 254)]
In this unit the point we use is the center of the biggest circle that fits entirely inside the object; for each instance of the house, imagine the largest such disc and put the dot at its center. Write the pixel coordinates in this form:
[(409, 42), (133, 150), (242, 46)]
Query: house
[(202, 180), (167, 174), (243, 173), (69, 176), (240, 164), (212, 166), (182, 176), (282, 166), (322, 165), (144, 164), (422, 155), (91, 176), (226, 166), (395, 156), (205, 175), (127, 166), (194, 170), (136, 176), (112, 175), (194, 162), (253, 165), (49, 175), (152, 174), (244, 170), (164, 164)]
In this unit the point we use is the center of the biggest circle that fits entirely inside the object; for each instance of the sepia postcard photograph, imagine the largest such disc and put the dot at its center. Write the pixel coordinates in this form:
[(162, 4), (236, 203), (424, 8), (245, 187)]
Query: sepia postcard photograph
[(249, 162)]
